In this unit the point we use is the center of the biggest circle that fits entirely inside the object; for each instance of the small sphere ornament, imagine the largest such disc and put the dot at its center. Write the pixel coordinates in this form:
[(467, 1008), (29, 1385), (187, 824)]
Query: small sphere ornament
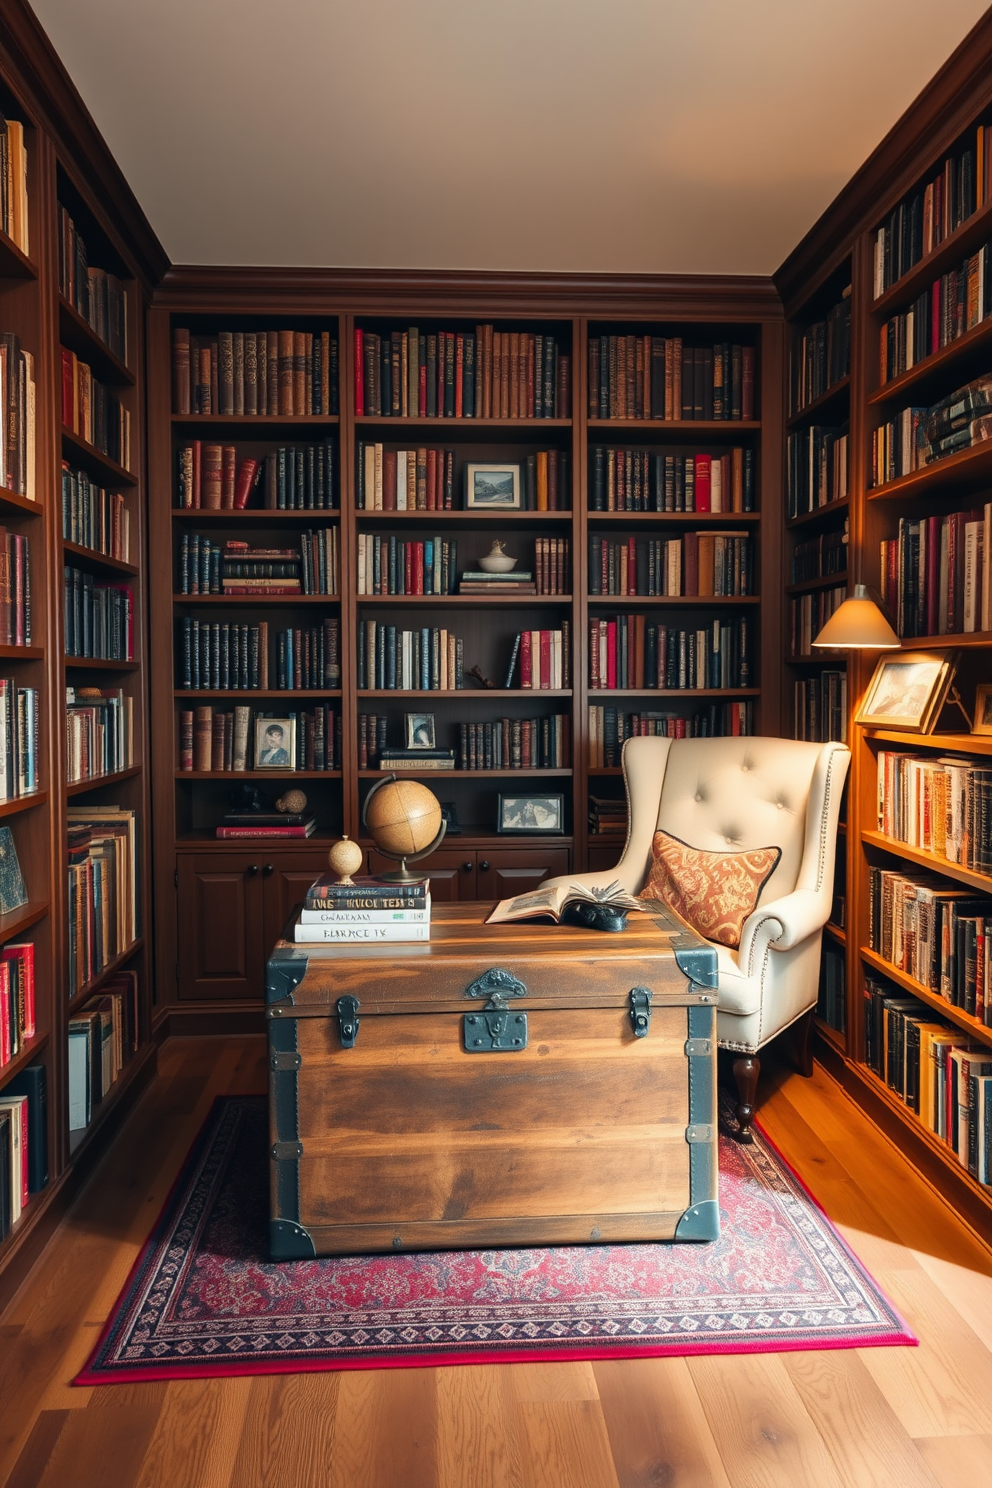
[(292, 801), (345, 858)]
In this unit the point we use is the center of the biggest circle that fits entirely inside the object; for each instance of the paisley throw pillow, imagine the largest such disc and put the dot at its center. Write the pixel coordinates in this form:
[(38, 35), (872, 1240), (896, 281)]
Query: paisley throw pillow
[(714, 892)]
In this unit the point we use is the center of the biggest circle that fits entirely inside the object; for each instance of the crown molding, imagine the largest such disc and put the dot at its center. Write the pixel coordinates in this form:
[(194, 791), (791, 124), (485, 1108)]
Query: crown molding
[(931, 123)]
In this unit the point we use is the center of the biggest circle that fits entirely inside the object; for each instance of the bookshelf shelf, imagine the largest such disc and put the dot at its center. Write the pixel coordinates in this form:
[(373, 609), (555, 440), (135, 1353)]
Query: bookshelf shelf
[(681, 519), (956, 246), (827, 404), (527, 773), (829, 509), (79, 336), (13, 263), (969, 467), (88, 989), (95, 461), (828, 581), (933, 861), (18, 920), (231, 694), (99, 664), (11, 503), (466, 601), (935, 366), (101, 561), (909, 984), (955, 743), (94, 782), (831, 1035), (26, 1055), (22, 653), (468, 518), (253, 514), (241, 600), (837, 931), (956, 642), (468, 425), (272, 776), (18, 804), (676, 601), (633, 428), (476, 694), (272, 423)]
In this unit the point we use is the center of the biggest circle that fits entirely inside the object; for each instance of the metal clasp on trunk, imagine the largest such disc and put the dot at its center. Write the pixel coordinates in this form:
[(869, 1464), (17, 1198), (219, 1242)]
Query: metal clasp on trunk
[(348, 1020), (639, 1004), (495, 1029)]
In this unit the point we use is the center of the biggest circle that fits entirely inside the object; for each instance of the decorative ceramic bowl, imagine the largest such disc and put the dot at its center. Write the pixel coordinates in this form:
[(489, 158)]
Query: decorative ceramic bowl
[(496, 561)]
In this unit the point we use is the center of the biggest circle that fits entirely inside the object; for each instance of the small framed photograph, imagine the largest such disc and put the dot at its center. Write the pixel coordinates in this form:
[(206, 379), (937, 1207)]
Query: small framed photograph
[(531, 814), (983, 709), (492, 487), (908, 690), (420, 731), (275, 743), (449, 815)]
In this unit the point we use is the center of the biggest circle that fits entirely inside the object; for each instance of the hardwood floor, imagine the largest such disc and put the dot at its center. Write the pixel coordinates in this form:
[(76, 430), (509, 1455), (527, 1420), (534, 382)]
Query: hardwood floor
[(910, 1418)]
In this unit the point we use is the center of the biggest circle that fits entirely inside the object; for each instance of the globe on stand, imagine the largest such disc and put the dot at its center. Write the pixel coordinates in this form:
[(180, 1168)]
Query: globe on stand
[(405, 822)]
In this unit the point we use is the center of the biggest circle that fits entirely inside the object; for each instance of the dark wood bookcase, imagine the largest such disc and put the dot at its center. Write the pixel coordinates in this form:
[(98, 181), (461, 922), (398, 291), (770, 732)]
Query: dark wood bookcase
[(68, 162), (228, 897), (841, 247)]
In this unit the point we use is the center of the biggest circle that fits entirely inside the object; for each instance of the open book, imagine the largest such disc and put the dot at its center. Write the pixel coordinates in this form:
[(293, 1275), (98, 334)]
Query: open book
[(552, 903)]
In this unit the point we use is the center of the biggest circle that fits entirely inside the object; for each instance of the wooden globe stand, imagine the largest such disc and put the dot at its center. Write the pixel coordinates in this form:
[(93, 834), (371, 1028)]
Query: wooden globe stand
[(401, 875)]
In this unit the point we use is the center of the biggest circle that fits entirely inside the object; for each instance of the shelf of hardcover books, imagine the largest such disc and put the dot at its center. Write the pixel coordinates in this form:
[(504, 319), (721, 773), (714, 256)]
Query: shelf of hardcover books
[(667, 376), (280, 373)]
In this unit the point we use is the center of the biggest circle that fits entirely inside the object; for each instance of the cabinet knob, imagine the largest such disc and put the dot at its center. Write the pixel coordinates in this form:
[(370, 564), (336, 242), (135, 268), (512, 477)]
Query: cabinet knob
[(269, 868), (485, 865), (251, 870), (467, 867)]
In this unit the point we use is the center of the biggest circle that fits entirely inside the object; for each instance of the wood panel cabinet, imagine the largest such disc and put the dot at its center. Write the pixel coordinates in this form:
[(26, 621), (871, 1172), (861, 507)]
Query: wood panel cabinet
[(469, 872)]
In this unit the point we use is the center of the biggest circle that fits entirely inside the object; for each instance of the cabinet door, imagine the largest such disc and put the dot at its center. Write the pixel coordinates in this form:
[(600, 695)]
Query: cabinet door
[(604, 857), (505, 871), (285, 880), (221, 942), (451, 871)]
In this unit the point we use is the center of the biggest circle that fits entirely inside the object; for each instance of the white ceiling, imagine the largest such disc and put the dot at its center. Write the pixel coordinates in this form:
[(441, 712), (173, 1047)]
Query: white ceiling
[(665, 136)]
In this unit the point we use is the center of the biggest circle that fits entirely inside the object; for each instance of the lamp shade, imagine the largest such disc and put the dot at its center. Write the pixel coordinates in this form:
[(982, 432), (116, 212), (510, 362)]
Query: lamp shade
[(858, 625)]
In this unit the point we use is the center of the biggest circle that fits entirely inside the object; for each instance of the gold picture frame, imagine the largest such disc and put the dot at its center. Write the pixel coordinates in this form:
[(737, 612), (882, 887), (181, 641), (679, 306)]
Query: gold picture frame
[(983, 709), (908, 690)]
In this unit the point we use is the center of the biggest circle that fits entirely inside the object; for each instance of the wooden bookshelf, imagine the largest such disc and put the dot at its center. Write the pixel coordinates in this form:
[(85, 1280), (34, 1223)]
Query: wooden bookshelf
[(842, 244)]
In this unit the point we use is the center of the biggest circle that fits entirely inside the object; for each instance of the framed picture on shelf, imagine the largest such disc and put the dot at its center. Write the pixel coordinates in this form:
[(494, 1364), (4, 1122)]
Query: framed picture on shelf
[(449, 815), (13, 894), (420, 731), (531, 814), (275, 743), (908, 690), (983, 709), (492, 487)]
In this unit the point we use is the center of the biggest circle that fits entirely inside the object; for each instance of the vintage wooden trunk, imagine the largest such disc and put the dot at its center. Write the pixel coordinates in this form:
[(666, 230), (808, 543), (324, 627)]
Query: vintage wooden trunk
[(499, 1086)]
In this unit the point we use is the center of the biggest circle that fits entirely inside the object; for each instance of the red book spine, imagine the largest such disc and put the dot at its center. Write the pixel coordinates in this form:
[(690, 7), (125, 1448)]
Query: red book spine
[(359, 372), (245, 482), (703, 464), (197, 471), (229, 456), (526, 663), (459, 373), (5, 1030), (226, 832), (631, 566), (611, 654), (545, 636), (422, 391), (408, 568), (67, 399), (418, 568)]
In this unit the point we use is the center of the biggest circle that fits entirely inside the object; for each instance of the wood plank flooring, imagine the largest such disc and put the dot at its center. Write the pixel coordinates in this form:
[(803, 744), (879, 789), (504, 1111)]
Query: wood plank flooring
[(909, 1418)]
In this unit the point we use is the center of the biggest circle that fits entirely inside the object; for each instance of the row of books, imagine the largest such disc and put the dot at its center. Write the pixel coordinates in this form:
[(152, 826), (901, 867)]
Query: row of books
[(17, 998), (15, 589), (515, 744), (485, 374), (631, 651), (645, 480), (808, 614), (14, 183), (659, 377), (388, 565), (831, 1001), (819, 557), (820, 707), (103, 889), (938, 803), (213, 739), (934, 932), (953, 304), (17, 409), (23, 1142), (99, 732), (365, 910), (919, 436), (102, 1037), (609, 727), (420, 479), (294, 477), (97, 295), (288, 372), (541, 659), (822, 355), (94, 412), (430, 659), (607, 816), (19, 719), (99, 618), (936, 1070), (311, 567), (928, 215), (224, 657), (93, 517), (817, 460), (936, 573), (698, 563)]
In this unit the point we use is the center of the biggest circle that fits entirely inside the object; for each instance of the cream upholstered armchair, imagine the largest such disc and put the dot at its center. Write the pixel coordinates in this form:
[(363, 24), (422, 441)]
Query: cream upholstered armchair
[(735, 795)]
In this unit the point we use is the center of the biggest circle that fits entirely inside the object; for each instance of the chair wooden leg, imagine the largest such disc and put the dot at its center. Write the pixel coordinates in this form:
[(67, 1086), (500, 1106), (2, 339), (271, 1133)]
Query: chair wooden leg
[(746, 1070), (802, 1043)]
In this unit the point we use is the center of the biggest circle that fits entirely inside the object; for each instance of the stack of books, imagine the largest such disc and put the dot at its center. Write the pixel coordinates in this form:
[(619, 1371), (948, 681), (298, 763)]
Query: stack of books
[(364, 912), (519, 582), (267, 824), (607, 816), (417, 759)]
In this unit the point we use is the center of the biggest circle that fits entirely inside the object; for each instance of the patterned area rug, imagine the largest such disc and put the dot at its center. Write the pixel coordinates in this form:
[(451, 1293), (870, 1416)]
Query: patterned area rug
[(203, 1299)]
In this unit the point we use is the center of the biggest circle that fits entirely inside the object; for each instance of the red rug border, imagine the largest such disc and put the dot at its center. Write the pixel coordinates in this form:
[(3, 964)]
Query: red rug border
[(88, 1377)]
